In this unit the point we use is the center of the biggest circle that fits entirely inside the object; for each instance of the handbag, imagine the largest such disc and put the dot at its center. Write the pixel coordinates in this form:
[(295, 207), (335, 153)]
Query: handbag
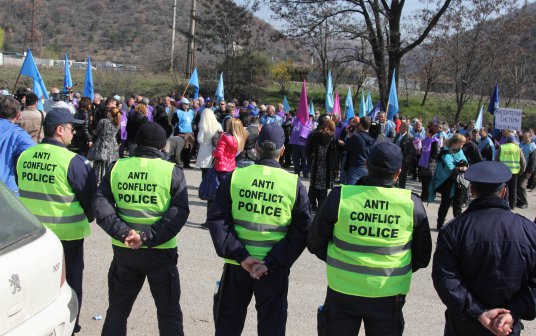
[(209, 186), (91, 154)]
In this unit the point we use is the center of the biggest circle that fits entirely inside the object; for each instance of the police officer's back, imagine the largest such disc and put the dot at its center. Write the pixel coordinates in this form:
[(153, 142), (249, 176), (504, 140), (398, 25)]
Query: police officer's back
[(143, 202), (258, 223), (372, 237), (486, 259)]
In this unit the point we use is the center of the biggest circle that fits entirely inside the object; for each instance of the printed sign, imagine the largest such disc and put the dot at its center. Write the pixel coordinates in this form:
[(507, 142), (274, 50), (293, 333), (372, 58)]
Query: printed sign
[(508, 119)]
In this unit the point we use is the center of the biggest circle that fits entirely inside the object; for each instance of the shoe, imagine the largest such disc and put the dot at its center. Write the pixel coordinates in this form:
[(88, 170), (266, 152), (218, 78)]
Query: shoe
[(204, 226), (522, 206)]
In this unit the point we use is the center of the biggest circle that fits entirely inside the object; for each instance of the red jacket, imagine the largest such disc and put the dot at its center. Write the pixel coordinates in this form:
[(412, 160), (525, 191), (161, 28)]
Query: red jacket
[(225, 153)]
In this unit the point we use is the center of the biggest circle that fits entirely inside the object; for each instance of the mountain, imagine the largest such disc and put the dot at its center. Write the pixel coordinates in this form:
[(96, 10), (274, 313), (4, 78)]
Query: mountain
[(121, 31)]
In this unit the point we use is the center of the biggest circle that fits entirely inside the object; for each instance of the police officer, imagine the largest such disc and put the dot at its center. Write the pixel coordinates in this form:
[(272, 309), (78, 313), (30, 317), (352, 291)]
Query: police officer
[(143, 202), (484, 266), (510, 154), (57, 186), (258, 223), (372, 237)]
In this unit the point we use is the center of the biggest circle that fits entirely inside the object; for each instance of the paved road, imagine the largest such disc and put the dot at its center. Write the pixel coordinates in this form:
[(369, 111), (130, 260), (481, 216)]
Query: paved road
[(200, 268)]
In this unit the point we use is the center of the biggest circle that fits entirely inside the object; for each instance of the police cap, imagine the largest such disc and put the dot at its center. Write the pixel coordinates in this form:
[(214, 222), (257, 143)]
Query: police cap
[(272, 133), (59, 116), (385, 157), (488, 172)]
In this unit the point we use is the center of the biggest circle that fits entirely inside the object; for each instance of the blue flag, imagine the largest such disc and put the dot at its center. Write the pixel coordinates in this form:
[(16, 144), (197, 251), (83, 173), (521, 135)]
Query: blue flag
[(219, 90), (67, 79), (362, 106), (392, 107), (30, 69), (286, 106), (374, 113), (194, 81), (349, 105), (370, 107), (494, 100), (88, 83), (329, 94), (311, 108)]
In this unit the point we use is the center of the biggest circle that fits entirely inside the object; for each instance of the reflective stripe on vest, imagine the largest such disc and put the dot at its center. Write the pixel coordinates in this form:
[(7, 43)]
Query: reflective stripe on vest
[(262, 202), (46, 192), (510, 156), (370, 253), (141, 190)]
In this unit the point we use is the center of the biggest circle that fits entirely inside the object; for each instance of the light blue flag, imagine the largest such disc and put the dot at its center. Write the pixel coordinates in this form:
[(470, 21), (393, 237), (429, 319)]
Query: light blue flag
[(363, 105), (194, 81), (349, 105), (479, 119), (329, 94), (286, 106), (311, 108), (30, 69), (393, 99), (88, 83), (67, 79), (370, 106), (219, 90)]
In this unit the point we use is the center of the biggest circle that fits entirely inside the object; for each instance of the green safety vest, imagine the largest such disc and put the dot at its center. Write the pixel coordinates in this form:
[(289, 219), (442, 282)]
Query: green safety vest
[(46, 192), (262, 201), (141, 190), (510, 156), (370, 253)]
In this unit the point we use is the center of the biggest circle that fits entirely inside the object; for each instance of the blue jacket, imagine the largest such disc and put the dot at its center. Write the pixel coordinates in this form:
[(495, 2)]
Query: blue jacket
[(275, 119), (13, 141), (486, 258), (444, 169)]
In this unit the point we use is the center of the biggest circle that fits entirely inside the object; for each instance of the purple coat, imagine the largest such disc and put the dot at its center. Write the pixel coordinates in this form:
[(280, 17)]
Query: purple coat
[(123, 125), (299, 132)]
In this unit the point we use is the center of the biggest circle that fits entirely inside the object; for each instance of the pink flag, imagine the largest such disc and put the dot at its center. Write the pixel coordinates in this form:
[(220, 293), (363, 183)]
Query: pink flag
[(303, 107), (337, 104)]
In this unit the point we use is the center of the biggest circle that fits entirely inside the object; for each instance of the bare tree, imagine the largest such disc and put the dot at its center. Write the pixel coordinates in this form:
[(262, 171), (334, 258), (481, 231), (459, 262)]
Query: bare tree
[(375, 22)]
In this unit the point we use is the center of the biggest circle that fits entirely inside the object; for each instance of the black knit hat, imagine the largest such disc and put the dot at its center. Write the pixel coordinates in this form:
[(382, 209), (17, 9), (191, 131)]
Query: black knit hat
[(151, 134)]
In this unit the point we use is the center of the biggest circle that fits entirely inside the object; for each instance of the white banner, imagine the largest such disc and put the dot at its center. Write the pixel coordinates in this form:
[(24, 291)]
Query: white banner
[(508, 119)]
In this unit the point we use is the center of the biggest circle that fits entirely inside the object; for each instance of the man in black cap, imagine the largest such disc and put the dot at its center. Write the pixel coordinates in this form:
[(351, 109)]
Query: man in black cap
[(258, 223), (57, 186), (143, 202), (485, 266), (372, 237)]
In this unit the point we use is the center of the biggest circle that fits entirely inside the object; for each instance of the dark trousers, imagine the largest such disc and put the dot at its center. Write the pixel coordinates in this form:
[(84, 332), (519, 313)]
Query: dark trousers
[(403, 177), (122, 147), (511, 189), (425, 186), (270, 301), (285, 160), (186, 154), (316, 197), (343, 314), (521, 190), (455, 326), (74, 267), (447, 201), (299, 160), (415, 167), (126, 276)]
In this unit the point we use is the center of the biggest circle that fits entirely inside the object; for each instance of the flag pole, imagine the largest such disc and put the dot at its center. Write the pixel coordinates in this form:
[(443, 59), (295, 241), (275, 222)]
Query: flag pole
[(187, 85), (16, 82)]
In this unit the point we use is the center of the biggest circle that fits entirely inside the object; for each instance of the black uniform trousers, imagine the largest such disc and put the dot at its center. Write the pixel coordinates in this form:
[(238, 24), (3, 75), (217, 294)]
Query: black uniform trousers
[(73, 251), (511, 187), (455, 326), (126, 276), (237, 289), (343, 314), (521, 190)]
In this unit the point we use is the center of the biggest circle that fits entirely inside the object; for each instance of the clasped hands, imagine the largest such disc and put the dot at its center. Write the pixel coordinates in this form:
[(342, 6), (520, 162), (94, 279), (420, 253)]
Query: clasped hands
[(499, 321), (255, 267), (133, 240)]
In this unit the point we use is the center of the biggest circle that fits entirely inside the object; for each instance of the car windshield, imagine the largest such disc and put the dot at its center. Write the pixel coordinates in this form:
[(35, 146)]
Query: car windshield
[(16, 222)]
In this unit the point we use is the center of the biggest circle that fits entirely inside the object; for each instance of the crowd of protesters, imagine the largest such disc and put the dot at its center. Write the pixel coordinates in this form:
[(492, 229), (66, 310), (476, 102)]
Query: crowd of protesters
[(326, 149)]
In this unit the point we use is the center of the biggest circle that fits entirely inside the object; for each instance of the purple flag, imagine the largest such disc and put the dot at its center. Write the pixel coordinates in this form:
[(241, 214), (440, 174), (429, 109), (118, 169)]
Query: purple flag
[(337, 104), (374, 113), (303, 107)]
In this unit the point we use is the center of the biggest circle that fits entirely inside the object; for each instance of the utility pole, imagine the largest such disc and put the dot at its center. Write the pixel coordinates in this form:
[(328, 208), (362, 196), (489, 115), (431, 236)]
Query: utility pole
[(191, 42), (173, 33)]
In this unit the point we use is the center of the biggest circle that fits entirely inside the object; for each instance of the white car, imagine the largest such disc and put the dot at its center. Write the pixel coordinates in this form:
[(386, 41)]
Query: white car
[(35, 299)]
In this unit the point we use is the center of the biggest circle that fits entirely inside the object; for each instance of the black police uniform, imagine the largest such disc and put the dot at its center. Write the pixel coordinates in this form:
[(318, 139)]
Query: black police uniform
[(129, 267), (381, 316), (238, 286), (486, 259)]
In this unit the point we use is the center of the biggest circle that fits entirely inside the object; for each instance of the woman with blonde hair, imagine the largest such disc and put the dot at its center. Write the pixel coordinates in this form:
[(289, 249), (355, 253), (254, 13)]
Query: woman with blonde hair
[(105, 149), (209, 127), (451, 163)]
